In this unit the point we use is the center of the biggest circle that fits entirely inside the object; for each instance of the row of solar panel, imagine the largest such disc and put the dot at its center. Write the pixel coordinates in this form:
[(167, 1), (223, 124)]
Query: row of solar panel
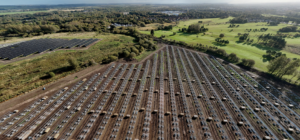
[(41, 45)]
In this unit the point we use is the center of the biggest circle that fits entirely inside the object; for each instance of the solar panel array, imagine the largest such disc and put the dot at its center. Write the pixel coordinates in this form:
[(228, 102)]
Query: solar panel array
[(41, 45)]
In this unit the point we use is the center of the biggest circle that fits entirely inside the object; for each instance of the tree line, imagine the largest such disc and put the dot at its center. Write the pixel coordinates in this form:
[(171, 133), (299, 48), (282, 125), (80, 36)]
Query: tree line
[(274, 41)]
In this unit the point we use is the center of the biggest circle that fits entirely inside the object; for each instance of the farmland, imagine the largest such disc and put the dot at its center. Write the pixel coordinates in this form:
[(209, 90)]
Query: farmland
[(217, 26), (173, 94)]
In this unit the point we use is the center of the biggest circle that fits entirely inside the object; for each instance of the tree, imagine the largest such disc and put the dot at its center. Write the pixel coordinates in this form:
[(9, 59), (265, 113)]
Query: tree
[(112, 58), (248, 62), (51, 74), (109, 59), (288, 29), (244, 62), (152, 32), (196, 28), (136, 51), (143, 24), (125, 53), (221, 35), (232, 57), (277, 64), (174, 33), (295, 74), (221, 52), (141, 49), (289, 68), (73, 63), (251, 63)]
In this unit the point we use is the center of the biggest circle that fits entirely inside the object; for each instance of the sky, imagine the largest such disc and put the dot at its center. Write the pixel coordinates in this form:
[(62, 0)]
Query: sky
[(42, 2)]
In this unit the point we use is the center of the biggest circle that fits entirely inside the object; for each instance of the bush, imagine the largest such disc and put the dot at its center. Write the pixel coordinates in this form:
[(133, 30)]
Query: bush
[(92, 62), (109, 59), (51, 74), (133, 49), (73, 63), (233, 58), (248, 62), (132, 55), (221, 52), (125, 53)]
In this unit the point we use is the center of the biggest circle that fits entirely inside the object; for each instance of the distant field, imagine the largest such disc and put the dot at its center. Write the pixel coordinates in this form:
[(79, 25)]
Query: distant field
[(217, 26), (29, 12)]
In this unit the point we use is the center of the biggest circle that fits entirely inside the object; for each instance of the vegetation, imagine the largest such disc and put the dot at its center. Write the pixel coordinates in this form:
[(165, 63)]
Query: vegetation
[(288, 29), (51, 74), (222, 41), (73, 63), (273, 41), (20, 77), (196, 28), (233, 57), (238, 20), (248, 62), (283, 66), (246, 43)]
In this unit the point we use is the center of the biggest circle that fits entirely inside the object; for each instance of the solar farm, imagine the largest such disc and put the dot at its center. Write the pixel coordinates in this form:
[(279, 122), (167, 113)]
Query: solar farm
[(40, 45), (174, 94)]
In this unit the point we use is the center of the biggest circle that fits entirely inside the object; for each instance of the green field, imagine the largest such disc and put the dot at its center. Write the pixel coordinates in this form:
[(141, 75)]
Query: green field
[(217, 26), (29, 12)]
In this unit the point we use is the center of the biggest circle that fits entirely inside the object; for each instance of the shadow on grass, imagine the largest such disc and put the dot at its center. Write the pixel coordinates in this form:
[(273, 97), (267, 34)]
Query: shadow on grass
[(262, 47), (58, 71), (218, 44), (238, 42), (266, 58)]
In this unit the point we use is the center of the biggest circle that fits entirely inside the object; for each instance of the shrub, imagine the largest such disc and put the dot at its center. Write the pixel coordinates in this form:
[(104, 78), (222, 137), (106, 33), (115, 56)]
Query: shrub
[(51, 74), (132, 55), (133, 49), (125, 53), (92, 62), (221, 52), (73, 63), (232, 57), (248, 62)]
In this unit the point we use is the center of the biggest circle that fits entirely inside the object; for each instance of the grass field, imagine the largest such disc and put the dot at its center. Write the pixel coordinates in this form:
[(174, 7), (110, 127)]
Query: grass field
[(217, 26), (29, 12)]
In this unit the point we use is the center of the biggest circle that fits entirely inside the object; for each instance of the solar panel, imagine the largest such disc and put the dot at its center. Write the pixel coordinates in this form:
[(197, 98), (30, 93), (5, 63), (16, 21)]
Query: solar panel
[(40, 45)]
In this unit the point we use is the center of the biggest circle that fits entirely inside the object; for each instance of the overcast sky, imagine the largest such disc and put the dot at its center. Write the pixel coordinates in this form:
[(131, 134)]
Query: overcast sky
[(34, 2)]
